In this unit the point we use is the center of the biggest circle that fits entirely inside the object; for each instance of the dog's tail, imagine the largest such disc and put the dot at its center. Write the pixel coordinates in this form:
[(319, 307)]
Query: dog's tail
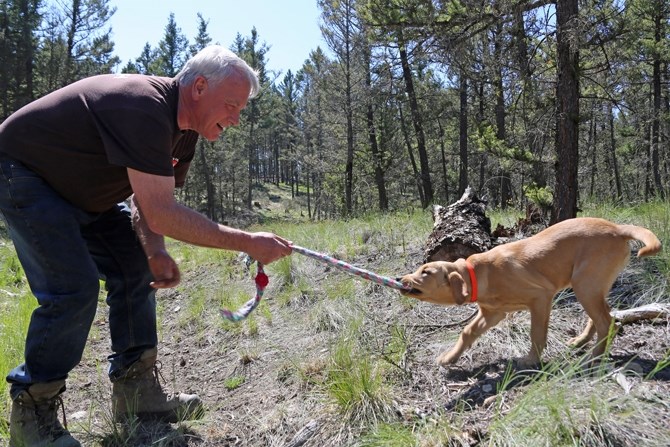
[(651, 243)]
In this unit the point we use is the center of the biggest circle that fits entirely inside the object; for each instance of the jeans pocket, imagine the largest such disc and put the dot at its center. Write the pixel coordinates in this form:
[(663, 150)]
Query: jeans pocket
[(22, 186)]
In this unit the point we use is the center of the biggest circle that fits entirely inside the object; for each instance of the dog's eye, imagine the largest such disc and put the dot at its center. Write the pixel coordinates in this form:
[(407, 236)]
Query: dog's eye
[(427, 272)]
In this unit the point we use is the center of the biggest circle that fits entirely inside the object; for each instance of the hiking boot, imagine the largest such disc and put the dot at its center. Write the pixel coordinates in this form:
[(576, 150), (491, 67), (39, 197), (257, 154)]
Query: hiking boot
[(34, 419), (139, 392)]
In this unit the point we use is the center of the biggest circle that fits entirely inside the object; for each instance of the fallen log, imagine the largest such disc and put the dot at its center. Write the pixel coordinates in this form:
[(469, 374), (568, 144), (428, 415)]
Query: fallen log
[(459, 230)]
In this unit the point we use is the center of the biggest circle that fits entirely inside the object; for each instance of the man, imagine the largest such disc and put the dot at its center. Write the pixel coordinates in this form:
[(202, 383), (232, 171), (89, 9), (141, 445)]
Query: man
[(67, 162)]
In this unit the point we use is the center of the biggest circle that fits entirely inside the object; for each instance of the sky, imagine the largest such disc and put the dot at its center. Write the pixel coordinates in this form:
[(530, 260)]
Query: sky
[(290, 29)]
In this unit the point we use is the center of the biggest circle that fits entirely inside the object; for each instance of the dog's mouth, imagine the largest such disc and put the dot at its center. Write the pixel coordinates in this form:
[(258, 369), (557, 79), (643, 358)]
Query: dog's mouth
[(408, 287), (412, 291)]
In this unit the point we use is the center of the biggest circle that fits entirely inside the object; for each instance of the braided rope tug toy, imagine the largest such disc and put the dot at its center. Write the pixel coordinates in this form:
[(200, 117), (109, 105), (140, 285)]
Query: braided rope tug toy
[(262, 281)]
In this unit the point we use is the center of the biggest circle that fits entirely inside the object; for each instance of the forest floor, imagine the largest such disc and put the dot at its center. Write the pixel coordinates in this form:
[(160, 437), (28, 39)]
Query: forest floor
[(260, 379)]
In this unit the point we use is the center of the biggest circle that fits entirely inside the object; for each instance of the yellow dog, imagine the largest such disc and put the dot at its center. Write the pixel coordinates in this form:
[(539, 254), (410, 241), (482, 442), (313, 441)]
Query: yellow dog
[(586, 254)]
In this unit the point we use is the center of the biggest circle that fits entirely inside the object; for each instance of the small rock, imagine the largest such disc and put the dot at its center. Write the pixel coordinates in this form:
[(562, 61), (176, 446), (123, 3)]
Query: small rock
[(79, 415)]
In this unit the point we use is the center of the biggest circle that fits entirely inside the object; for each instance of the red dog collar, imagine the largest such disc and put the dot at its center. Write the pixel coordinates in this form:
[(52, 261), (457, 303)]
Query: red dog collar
[(473, 281)]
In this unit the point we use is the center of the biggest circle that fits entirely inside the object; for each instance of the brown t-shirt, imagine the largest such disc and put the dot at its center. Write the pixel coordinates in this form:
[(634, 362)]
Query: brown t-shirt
[(81, 138)]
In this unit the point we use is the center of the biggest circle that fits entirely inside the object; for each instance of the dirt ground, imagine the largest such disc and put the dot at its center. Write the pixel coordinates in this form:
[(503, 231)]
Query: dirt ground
[(275, 353)]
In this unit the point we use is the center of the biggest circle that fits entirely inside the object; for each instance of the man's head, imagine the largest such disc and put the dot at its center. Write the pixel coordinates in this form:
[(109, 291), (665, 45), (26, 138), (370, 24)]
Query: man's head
[(216, 63), (215, 86)]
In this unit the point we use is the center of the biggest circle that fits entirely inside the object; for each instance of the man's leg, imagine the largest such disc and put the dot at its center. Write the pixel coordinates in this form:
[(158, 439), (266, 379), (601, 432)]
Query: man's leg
[(122, 264), (132, 321), (45, 230)]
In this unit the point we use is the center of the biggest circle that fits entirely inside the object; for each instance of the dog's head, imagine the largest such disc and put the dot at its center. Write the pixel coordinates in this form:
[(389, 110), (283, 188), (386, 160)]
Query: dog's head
[(437, 282)]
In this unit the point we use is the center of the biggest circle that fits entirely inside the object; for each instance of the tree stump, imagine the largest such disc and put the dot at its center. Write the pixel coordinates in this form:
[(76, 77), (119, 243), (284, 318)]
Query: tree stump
[(459, 230)]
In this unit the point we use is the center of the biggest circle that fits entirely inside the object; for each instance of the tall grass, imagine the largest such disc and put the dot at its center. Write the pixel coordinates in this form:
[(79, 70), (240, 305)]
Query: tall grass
[(16, 306), (354, 381)]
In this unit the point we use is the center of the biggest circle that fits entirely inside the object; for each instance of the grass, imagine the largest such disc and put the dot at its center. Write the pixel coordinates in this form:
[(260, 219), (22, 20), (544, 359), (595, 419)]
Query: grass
[(16, 306), (389, 435), (233, 382), (355, 384), (561, 406), (365, 371), (395, 351)]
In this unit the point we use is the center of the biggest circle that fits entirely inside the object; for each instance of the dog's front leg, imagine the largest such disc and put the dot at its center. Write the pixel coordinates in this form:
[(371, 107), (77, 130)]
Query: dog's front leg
[(484, 321), (539, 325)]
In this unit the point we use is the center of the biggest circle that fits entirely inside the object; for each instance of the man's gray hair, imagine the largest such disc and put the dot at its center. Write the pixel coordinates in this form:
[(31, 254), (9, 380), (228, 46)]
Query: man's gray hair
[(216, 63)]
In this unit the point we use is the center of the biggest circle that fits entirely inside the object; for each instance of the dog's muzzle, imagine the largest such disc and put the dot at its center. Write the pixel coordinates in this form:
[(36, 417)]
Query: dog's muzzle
[(411, 291)]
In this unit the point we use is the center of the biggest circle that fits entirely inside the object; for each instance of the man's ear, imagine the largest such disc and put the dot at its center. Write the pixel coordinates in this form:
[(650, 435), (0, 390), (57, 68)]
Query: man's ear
[(199, 87), (458, 287)]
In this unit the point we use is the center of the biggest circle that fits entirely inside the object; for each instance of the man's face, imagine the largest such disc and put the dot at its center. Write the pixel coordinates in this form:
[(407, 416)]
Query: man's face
[(219, 106)]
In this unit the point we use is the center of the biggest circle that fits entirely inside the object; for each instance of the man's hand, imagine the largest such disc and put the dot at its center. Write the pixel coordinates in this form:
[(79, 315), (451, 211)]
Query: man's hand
[(165, 270), (268, 247)]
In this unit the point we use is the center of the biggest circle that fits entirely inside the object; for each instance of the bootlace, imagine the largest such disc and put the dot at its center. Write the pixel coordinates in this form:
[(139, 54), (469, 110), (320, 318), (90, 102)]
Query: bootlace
[(46, 414), (158, 377)]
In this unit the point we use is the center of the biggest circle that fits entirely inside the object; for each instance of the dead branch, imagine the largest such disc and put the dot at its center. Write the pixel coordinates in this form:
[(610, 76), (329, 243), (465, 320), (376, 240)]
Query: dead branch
[(646, 312)]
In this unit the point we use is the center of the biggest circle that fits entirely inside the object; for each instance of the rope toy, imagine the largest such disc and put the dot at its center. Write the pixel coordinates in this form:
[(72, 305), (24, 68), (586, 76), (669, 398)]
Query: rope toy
[(262, 281), (243, 312), (366, 274)]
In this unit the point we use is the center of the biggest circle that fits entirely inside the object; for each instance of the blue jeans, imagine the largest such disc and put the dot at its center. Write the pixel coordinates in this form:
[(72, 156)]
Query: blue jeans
[(65, 251)]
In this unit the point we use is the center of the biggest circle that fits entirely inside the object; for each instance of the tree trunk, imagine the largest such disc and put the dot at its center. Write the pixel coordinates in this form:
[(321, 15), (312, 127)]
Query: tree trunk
[(483, 160), (567, 114), (656, 122), (463, 135), (71, 33), (410, 153), (26, 93), (613, 157), (209, 187), (501, 132), (416, 120), (250, 166), (591, 143), (349, 168), (374, 147), (445, 179)]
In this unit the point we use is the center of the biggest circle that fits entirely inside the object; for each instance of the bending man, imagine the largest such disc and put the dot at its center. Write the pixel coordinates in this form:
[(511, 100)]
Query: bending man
[(68, 161)]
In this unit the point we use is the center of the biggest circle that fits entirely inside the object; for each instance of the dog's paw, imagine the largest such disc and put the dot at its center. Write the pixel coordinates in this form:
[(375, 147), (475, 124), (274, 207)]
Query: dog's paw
[(447, 359), (578, 342), (527, 362)]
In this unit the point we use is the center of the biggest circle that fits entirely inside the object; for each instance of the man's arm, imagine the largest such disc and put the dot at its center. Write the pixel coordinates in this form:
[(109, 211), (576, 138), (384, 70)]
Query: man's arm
[(162, 215), (151, 242), (163, 267)]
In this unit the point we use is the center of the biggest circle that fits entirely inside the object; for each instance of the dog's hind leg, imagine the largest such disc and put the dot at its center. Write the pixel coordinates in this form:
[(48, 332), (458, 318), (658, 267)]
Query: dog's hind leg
[(586, 335), (592, 281), (484, 321), (593, 298)]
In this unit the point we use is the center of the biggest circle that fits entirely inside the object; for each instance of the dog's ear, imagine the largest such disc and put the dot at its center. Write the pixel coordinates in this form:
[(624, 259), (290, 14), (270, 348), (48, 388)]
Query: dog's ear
[(458, 287)]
